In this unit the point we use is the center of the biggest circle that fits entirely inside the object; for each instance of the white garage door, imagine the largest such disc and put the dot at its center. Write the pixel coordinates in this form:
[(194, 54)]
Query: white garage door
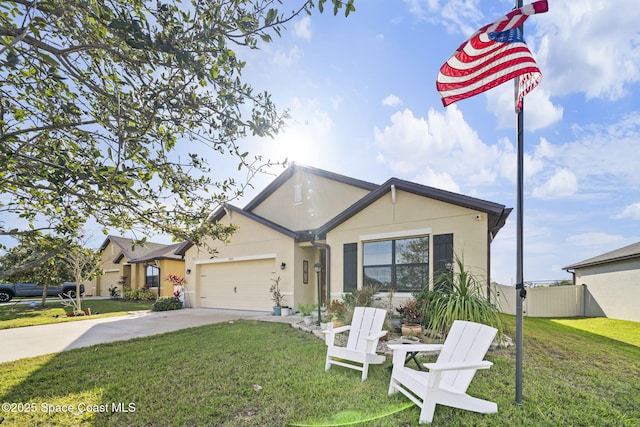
[(108, 280), (240, 285)]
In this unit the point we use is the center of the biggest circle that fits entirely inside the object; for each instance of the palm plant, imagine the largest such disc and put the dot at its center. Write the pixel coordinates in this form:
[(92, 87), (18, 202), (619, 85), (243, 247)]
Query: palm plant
[(460, 297)]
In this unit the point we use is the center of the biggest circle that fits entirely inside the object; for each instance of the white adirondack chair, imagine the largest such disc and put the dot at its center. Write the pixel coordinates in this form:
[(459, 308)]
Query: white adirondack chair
[(364, 332), (449, 377)]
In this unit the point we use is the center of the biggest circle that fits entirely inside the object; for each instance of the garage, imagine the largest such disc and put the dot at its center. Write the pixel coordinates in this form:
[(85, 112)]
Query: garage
[(109, 279), (236, 284)]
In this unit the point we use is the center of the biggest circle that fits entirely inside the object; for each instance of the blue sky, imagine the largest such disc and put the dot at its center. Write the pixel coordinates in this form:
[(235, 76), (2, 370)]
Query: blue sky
[(362, 99), (361, 95)]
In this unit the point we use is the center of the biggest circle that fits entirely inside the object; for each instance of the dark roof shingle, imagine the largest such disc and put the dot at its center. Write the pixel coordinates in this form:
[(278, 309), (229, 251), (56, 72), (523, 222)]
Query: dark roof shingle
[(627, 252)]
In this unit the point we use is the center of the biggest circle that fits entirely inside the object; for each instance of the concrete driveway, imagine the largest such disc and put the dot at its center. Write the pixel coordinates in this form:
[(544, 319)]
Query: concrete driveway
[(32, 341)]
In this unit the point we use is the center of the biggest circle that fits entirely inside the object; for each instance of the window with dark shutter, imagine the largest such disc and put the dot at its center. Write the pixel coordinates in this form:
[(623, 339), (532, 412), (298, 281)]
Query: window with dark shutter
[(399, 264), (350, 275), (442, 257)]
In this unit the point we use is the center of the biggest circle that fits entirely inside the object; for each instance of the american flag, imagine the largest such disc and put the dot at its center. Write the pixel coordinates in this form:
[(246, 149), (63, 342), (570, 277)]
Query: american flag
[(496, 53)]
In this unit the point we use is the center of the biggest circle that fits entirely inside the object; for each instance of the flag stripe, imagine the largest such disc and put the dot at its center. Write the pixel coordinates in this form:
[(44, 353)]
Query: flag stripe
[(460, 70), (481, 63), (475, 89)]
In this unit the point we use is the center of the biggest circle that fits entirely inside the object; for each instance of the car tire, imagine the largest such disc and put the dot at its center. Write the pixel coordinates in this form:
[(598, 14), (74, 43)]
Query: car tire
[(5, 296), (71, 294)]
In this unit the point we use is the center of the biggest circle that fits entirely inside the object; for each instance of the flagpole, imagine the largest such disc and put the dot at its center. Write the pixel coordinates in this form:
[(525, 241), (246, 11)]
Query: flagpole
[(520, 291)]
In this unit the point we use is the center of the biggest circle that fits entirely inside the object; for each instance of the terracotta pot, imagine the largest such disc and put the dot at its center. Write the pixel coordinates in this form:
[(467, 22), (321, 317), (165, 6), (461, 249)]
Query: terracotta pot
[(411, 330), (70, 314)]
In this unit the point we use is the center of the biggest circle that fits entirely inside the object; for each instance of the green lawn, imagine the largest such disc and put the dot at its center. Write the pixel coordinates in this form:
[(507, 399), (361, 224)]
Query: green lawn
[(250, 373), (18, 315)]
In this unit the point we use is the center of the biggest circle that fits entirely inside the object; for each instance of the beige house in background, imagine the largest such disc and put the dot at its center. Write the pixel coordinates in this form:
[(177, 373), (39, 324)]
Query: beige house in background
[(612, 283), (396, 235), (132, 267)]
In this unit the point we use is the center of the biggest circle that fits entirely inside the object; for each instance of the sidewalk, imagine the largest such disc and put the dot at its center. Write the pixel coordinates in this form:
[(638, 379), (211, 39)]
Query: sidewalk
[(30, 341)]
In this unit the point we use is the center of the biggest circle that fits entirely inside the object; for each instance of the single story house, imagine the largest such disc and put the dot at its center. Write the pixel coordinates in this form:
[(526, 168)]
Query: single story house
[(612, 283), (128, 266), (395, 235)]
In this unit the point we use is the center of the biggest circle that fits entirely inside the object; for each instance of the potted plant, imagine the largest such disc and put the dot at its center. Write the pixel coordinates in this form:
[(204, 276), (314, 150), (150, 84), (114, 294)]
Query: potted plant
[(411, 312), (337, 311), (276, 297), (306, 311), (325, 323)]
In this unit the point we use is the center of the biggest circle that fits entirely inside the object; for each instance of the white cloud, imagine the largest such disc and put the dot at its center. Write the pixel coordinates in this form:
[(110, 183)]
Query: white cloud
[(563, 183), (630, 212), (539, 111), (302, 28), (391, 101), (463, 16), (420, 9), (286, 59), (440, 180), (590, 47), (600, 154), (442, 148), (595, 239)]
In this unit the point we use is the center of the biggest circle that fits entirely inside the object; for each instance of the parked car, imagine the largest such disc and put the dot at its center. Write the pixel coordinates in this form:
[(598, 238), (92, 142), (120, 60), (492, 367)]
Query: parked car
[(23, 289)]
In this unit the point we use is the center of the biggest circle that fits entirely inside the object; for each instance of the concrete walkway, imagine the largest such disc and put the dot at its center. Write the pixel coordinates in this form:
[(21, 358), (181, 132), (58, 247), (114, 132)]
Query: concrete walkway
[(30, 341)]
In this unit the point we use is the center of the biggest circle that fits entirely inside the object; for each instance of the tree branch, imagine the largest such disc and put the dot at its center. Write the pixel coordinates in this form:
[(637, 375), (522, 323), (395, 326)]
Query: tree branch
[(34, 263)]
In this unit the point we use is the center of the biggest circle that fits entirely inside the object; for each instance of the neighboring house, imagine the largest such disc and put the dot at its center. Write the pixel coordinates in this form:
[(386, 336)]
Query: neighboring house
[(126, 266), (612, 283), (394, 235)]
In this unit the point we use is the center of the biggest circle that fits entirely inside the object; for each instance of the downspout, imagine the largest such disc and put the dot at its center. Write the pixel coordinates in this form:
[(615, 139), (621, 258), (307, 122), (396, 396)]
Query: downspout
[(328, 266), (489, 239)]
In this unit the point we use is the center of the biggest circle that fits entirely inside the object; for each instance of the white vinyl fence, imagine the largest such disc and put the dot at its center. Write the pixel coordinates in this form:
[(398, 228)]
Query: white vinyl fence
[(552, 301)]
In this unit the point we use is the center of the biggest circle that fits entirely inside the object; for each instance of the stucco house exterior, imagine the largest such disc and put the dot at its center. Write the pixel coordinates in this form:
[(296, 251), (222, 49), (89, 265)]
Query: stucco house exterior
[(396, 234), (126, 266), (612, 283)]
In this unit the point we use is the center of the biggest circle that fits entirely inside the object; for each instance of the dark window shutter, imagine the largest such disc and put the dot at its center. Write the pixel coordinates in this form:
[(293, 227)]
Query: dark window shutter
[(442, 255), (350, 272)]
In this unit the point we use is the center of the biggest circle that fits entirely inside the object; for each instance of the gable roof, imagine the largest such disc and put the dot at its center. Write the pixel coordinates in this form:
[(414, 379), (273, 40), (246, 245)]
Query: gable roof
[(141, 252), (219, 213), (295, 167), (217, 216), (628, 252), (496, 213)]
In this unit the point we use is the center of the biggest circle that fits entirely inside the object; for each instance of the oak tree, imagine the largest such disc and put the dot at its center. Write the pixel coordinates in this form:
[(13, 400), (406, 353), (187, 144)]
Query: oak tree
[(121, 110)]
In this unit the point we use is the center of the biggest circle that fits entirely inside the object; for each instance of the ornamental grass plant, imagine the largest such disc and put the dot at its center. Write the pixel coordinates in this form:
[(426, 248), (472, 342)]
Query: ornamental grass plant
[(459, 295)]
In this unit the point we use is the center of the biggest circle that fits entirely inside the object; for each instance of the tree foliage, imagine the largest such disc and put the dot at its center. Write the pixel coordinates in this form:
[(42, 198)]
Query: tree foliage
[(120, 111), (51, 270)]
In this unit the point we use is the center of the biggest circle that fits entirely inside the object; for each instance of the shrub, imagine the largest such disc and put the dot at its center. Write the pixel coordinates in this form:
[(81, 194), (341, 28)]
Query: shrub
[(338, 310), (410, 311), (139, 295), (362, 297), (166, 304), (461, 298)]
